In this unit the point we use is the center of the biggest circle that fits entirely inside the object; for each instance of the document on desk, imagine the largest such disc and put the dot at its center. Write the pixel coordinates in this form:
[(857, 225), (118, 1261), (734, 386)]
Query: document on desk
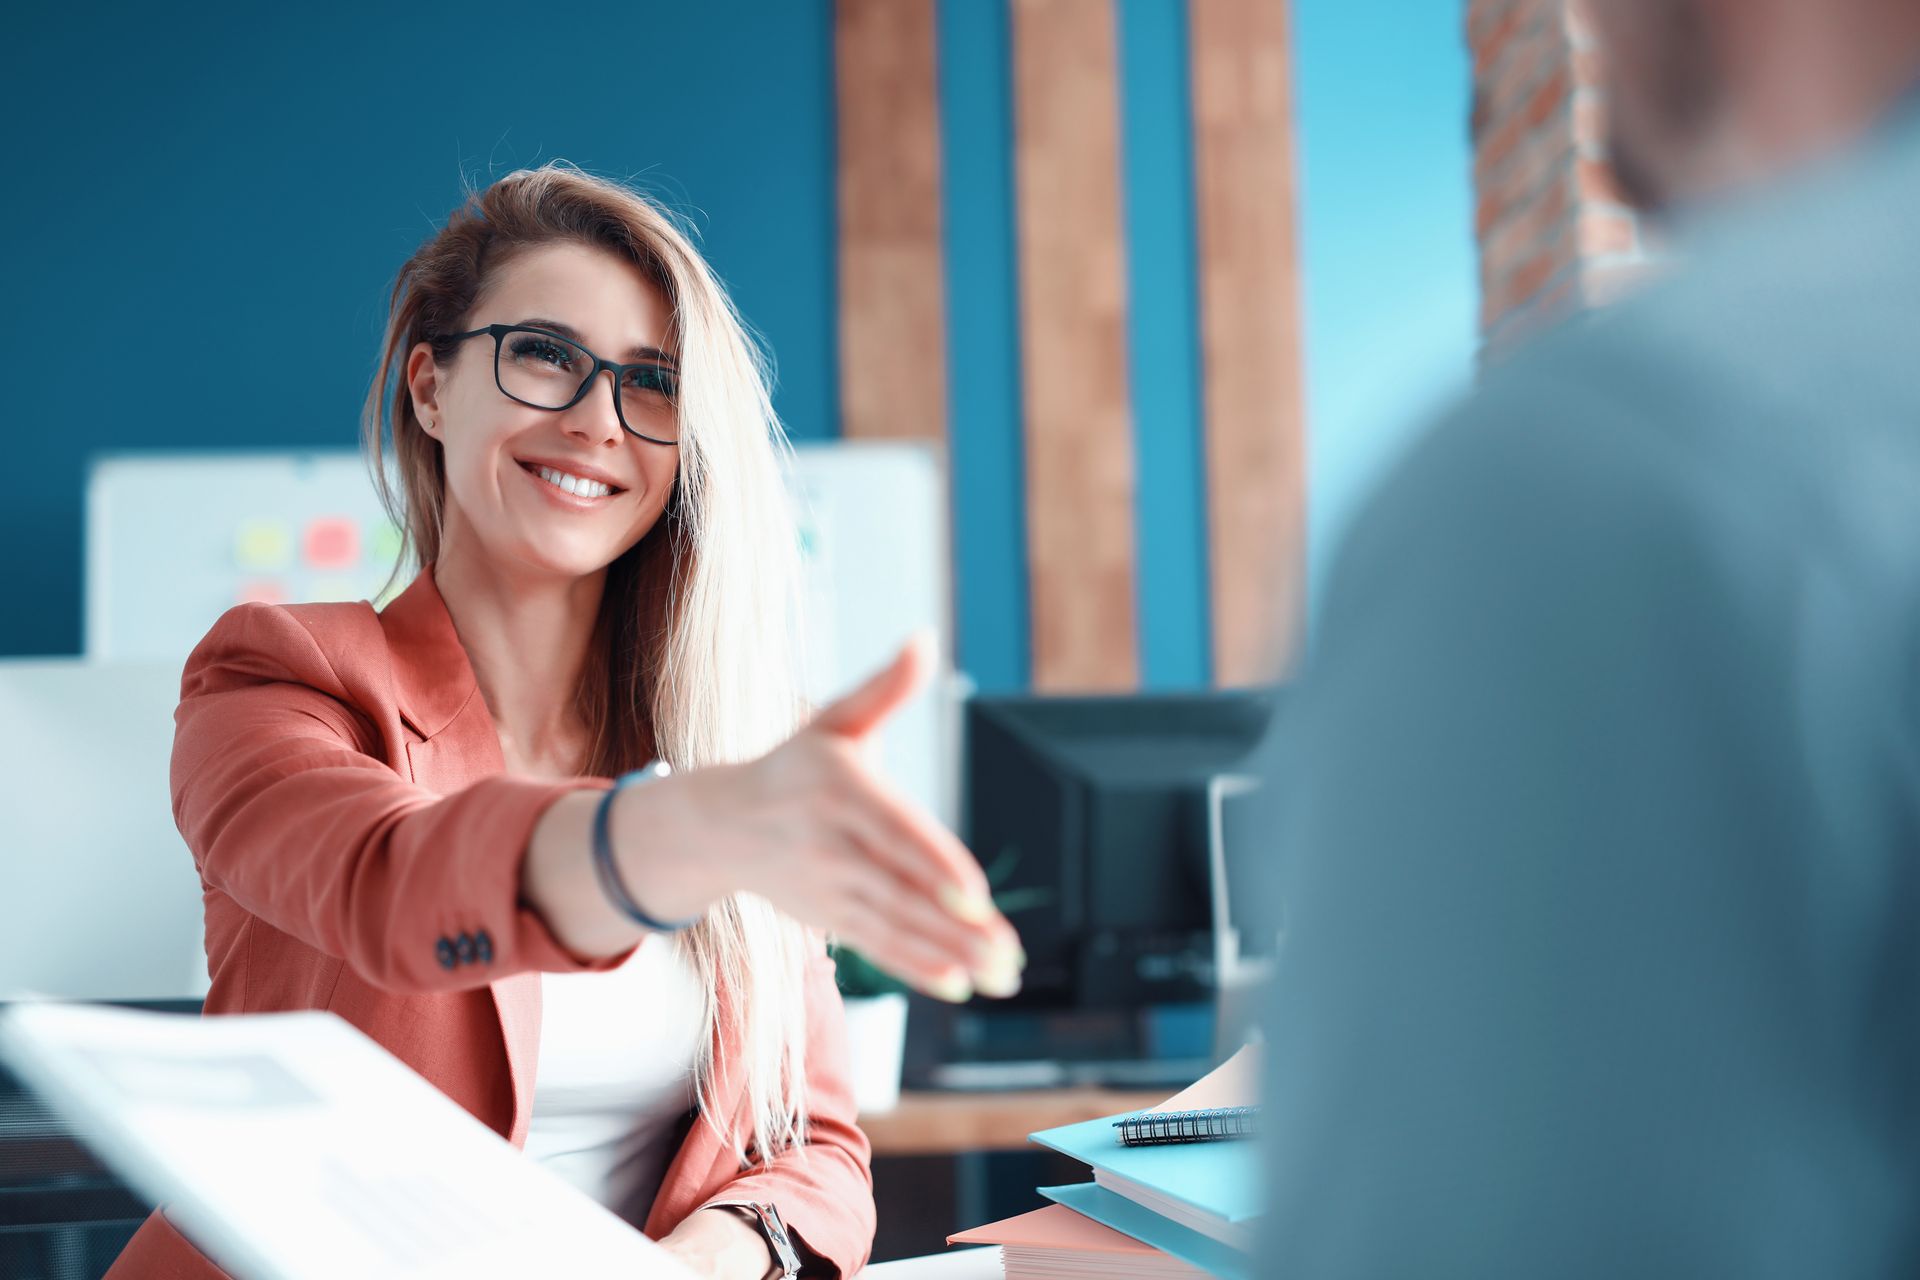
[(291, 1145), (1234, 1083), (1197, 1201), (1056, 1243)]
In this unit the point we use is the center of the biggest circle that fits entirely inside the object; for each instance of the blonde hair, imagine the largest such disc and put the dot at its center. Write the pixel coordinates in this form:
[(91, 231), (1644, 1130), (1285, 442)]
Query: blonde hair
[(694, 654)]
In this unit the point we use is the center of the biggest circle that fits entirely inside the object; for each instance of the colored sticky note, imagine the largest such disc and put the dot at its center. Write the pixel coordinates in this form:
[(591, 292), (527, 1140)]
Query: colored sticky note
[(383, 544), (262, 545), (260, 591), (332, 542)]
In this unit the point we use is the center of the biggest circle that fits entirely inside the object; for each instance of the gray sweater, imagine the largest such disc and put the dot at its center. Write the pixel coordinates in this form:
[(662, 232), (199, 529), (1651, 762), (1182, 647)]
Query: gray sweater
[(1600, 869)]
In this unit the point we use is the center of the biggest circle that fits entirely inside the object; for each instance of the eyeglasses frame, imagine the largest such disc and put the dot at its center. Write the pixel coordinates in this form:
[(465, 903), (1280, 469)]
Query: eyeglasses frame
[(500, 331)]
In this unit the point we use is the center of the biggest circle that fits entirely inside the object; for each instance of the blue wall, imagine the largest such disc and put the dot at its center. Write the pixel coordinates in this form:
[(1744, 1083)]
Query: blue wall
[(1386, 214), (208, 204)]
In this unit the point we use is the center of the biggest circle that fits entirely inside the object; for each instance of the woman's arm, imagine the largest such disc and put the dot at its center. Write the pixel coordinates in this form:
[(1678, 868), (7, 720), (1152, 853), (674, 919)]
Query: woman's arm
[(287, 808), (813, 827)]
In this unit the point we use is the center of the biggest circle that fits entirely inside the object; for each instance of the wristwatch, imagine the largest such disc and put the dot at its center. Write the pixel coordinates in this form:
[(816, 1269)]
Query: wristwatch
[(785, 1257)]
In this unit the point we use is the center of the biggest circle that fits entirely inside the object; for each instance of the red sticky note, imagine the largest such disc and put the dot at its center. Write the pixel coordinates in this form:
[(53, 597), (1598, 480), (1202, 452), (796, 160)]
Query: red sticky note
[(332, 542)]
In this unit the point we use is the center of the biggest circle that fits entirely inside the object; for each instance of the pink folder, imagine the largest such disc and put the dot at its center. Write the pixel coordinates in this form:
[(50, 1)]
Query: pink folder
[(1056, 1227)]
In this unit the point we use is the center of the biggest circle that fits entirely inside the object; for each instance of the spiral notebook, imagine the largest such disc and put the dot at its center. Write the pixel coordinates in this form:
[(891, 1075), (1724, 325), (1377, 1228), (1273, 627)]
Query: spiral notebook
[(1208, 1124), (1194, 1200)]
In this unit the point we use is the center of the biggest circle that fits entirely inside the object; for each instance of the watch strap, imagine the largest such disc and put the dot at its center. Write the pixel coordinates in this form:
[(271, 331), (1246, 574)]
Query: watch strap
[(786, 1258)]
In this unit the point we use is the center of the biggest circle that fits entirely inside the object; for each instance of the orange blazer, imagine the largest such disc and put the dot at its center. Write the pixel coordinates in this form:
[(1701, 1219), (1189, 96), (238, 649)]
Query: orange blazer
[(339, 780)]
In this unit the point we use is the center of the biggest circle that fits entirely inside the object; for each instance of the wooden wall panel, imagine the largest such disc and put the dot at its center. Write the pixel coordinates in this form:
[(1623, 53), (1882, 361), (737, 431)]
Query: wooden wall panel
[(1079, 442), (1250, 327), (892, 310)]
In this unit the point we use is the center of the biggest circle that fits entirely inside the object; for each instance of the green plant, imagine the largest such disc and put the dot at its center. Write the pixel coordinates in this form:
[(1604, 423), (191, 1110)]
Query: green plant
[(858, 977)]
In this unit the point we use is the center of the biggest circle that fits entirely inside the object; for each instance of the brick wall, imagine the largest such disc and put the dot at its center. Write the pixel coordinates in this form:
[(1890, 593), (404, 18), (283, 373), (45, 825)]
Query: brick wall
[(1554, 232)]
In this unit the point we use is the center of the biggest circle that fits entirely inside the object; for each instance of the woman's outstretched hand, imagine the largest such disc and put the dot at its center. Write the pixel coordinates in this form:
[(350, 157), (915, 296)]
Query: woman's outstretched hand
[(812, 827)]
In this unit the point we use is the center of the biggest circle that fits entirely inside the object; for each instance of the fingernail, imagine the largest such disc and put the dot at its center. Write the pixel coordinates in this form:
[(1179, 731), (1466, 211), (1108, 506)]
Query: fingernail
[(1000, 981), (952, 987), (969, 907)]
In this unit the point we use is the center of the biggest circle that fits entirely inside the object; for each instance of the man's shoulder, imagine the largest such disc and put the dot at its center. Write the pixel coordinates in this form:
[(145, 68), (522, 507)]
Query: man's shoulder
[(1764, 387)]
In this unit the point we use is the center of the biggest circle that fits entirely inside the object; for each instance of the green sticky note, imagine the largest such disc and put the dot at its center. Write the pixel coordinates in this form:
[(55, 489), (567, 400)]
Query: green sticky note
[(383, 544)]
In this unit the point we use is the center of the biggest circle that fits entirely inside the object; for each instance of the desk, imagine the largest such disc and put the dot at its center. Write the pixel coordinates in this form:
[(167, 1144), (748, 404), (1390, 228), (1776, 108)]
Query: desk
[(934, 1122), (947, 1161), (976, 1262)]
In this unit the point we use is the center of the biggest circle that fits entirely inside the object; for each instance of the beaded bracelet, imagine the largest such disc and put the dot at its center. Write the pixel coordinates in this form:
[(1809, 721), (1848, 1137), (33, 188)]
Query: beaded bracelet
[(603, 853)]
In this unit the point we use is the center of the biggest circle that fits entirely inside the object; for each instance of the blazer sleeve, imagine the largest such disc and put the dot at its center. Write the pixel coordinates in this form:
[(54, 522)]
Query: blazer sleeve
[(288, 809), (823, 1187)]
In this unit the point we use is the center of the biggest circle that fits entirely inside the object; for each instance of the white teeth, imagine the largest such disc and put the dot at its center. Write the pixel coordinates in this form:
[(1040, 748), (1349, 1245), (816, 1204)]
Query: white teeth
[(573, 484)]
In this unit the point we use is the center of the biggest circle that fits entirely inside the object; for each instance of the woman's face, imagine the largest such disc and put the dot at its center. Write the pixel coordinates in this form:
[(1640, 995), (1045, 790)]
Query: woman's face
[(493, 446)]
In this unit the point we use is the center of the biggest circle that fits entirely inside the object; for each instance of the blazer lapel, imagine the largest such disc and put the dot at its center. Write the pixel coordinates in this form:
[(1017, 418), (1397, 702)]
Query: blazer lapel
[(439, 697)]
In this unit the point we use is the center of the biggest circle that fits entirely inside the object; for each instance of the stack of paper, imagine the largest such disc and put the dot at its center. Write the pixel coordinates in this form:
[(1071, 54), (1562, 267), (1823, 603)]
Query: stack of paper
[(1055, 1242), (1191, 1206), (292, 1145)]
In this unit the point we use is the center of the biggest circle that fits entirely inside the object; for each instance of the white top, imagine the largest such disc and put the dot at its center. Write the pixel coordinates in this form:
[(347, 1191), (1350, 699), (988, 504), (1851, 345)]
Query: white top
[(615, 1074)]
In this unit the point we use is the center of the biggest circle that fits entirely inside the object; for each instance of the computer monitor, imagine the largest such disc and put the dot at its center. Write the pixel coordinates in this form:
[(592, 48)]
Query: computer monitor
[(99, 899), (1103, 824)]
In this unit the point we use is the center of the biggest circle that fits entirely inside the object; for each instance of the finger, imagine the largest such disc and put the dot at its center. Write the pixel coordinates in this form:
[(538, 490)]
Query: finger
[(922, 851), (897, 951), (857, 713), (988, 953)]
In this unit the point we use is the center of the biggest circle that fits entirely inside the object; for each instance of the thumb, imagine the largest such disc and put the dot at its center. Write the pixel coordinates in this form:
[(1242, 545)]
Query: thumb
[(885, 692)]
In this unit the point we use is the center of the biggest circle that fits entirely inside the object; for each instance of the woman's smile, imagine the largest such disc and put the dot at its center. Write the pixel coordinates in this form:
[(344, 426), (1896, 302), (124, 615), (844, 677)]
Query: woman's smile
[(568, 491)]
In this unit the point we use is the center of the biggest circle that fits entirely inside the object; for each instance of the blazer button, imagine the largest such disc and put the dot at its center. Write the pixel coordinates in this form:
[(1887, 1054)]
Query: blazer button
[(464, 948), (483, 947), (444, 949)]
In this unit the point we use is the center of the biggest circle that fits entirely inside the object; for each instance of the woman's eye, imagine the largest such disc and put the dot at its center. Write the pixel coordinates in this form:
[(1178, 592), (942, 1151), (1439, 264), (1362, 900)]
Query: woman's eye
[(536, 349), (653, 378)]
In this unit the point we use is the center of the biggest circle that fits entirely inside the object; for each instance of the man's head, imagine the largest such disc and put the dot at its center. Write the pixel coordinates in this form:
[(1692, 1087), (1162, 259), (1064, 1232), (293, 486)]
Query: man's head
[(1708, 95)]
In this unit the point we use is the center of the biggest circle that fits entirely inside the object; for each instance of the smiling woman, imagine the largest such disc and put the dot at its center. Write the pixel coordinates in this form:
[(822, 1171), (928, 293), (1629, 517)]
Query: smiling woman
[(442, 820)]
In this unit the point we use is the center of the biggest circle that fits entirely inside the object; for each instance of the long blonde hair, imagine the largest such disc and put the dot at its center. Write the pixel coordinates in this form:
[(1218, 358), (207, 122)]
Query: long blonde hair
[(694, 659)]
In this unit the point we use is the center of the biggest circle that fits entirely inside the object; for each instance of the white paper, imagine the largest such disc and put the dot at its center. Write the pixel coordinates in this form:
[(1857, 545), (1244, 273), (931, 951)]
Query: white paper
[(291, 1145)]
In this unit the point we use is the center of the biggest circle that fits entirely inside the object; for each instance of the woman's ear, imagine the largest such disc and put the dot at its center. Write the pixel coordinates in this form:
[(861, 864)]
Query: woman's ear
[(423, 383)]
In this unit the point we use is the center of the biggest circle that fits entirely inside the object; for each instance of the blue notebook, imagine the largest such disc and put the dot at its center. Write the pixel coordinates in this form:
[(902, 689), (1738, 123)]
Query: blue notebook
[(1220, 1179)]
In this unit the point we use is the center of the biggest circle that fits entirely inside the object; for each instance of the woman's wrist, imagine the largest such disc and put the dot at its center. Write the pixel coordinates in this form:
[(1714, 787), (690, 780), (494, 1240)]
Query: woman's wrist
[(654, 829), (722, 1241), (658, 849), (557, 879)]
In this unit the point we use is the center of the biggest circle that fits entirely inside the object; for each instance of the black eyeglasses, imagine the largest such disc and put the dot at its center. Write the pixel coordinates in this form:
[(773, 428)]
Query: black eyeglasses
[(547, 370)]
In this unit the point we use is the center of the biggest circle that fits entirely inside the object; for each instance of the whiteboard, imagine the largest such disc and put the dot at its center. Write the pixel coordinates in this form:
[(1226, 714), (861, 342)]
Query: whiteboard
[(176, 538)]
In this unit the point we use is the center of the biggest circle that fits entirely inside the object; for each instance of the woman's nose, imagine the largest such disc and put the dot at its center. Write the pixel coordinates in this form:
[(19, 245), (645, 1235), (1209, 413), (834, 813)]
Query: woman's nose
[(596, 418)]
